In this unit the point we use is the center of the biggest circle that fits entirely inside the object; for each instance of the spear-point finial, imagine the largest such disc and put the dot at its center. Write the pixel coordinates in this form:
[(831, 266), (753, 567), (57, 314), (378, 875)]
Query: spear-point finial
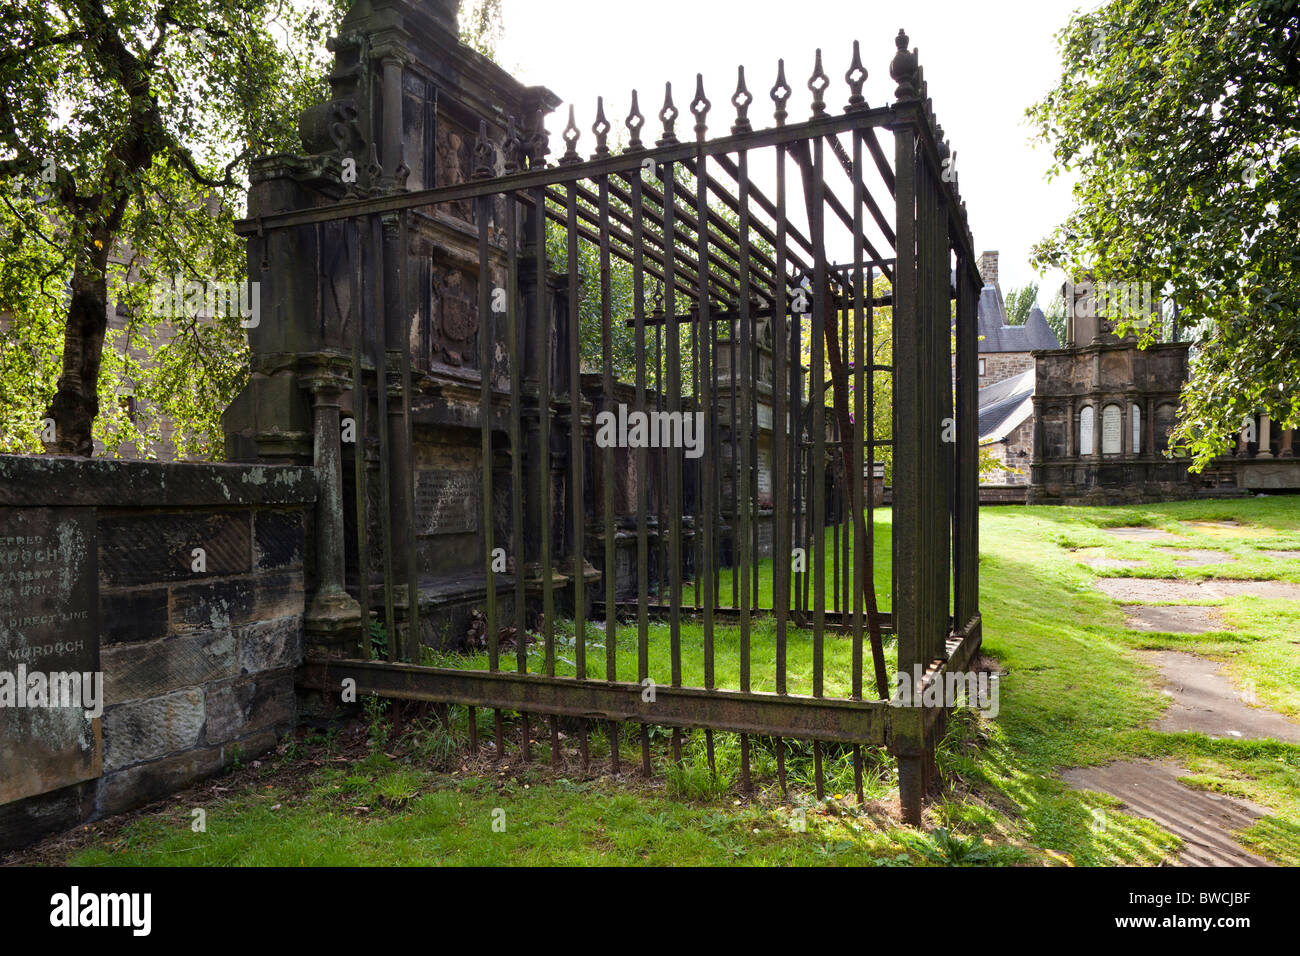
[(903, 69), (818, 83), (601, 128), (485, 154), (700, 107), (741, 100), (570, 137), (780, 93), (513, 151), (856, 76), (668, 116), (634, 122)]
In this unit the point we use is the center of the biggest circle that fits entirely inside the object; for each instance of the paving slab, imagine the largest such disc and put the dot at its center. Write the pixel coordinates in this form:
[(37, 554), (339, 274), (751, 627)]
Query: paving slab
[(1173, 619), (1204, 821), (1283, 555), (1203, 700), (1099, 564), (1151, 590), (1142, 534), (1228, 529)]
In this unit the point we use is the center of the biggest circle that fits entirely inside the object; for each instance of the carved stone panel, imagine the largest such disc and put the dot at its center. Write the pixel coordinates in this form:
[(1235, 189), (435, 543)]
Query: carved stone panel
[(447, 502), (455, 317), (455, 156), (49, 648)]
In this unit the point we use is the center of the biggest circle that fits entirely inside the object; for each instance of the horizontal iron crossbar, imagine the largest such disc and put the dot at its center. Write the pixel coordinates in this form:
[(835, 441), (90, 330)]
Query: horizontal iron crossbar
[(778, 715)]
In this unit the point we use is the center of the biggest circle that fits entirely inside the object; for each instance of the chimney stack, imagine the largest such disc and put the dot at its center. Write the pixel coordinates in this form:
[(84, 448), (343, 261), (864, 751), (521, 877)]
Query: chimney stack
[(988, 266)]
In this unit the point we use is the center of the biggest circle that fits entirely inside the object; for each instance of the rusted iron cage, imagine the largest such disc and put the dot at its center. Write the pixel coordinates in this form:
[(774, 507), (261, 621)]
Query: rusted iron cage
[(731, 259)]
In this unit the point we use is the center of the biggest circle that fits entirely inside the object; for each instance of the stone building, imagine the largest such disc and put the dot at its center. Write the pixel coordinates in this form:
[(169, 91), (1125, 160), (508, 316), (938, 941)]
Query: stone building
[(1104, 409), (1006, 379)]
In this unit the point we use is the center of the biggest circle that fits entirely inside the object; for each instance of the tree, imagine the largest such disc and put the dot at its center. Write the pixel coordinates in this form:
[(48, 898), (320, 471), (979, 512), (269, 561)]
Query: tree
[(1019, 301), (125, 134), (1181, 120), (481, 26)]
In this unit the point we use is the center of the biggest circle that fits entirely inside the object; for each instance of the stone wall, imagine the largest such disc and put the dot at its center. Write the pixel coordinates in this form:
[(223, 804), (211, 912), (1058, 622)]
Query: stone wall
[(197, 648), (1016, 453), (1003, 365)]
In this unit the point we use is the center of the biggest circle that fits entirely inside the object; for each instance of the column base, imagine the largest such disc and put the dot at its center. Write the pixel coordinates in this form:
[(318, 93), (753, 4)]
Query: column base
[(333, 618)]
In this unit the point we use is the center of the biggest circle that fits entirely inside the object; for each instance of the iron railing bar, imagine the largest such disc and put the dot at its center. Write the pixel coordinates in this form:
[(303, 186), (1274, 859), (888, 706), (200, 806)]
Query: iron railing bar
[(620, 252), (381, 391), (658, 257), (673, 456), (721, 224), (575, 441), (818, 336), (543, 331), (782, 222), (744, 511), (852, 170), (860, 384), (360, 397), (408, 439), (719, 230), (626, 163), (642, 540), (515, 333), (486, 333), (780, 449)]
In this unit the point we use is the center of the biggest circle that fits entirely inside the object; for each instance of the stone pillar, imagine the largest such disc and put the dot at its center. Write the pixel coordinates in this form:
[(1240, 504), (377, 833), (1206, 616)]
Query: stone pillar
[(333, 615), (1265, 439), (1286, 451), (1243, 443)]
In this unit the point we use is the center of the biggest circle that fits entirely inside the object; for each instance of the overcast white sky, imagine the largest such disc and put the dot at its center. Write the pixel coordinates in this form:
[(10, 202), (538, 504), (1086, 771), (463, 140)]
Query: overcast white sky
[(984, 62)]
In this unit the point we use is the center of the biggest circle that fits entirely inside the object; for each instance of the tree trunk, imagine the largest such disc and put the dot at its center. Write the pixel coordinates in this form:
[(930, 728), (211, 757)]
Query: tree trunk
[(76, 398)]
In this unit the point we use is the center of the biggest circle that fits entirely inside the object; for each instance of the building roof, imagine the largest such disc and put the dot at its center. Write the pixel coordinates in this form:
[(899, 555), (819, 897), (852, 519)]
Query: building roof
[(1004, 406), (997, 336)]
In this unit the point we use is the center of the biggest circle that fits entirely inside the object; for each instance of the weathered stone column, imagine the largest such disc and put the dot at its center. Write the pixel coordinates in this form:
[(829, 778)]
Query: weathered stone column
[(333, 615), (1286, 451), (1265, 439)]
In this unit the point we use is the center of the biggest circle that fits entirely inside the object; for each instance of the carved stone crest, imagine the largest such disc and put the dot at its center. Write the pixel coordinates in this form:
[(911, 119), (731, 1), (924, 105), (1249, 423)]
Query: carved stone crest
[(455, 316)]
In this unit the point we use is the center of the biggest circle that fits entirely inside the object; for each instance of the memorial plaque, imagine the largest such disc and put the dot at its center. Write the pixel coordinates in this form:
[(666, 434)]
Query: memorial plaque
[(1086, 446), (447, 502), (49, 650), (1112, 430)]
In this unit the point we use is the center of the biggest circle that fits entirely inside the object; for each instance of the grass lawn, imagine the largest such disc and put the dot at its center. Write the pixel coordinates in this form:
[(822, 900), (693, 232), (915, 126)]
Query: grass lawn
[(1074, 693)]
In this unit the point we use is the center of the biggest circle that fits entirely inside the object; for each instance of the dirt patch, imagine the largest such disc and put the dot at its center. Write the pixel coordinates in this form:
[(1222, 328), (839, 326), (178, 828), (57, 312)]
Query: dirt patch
[(1142, 534), (1173, 619), (1198, 557), (1227, 529), (1148, 590), (1203, 700), (1204, 821)]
